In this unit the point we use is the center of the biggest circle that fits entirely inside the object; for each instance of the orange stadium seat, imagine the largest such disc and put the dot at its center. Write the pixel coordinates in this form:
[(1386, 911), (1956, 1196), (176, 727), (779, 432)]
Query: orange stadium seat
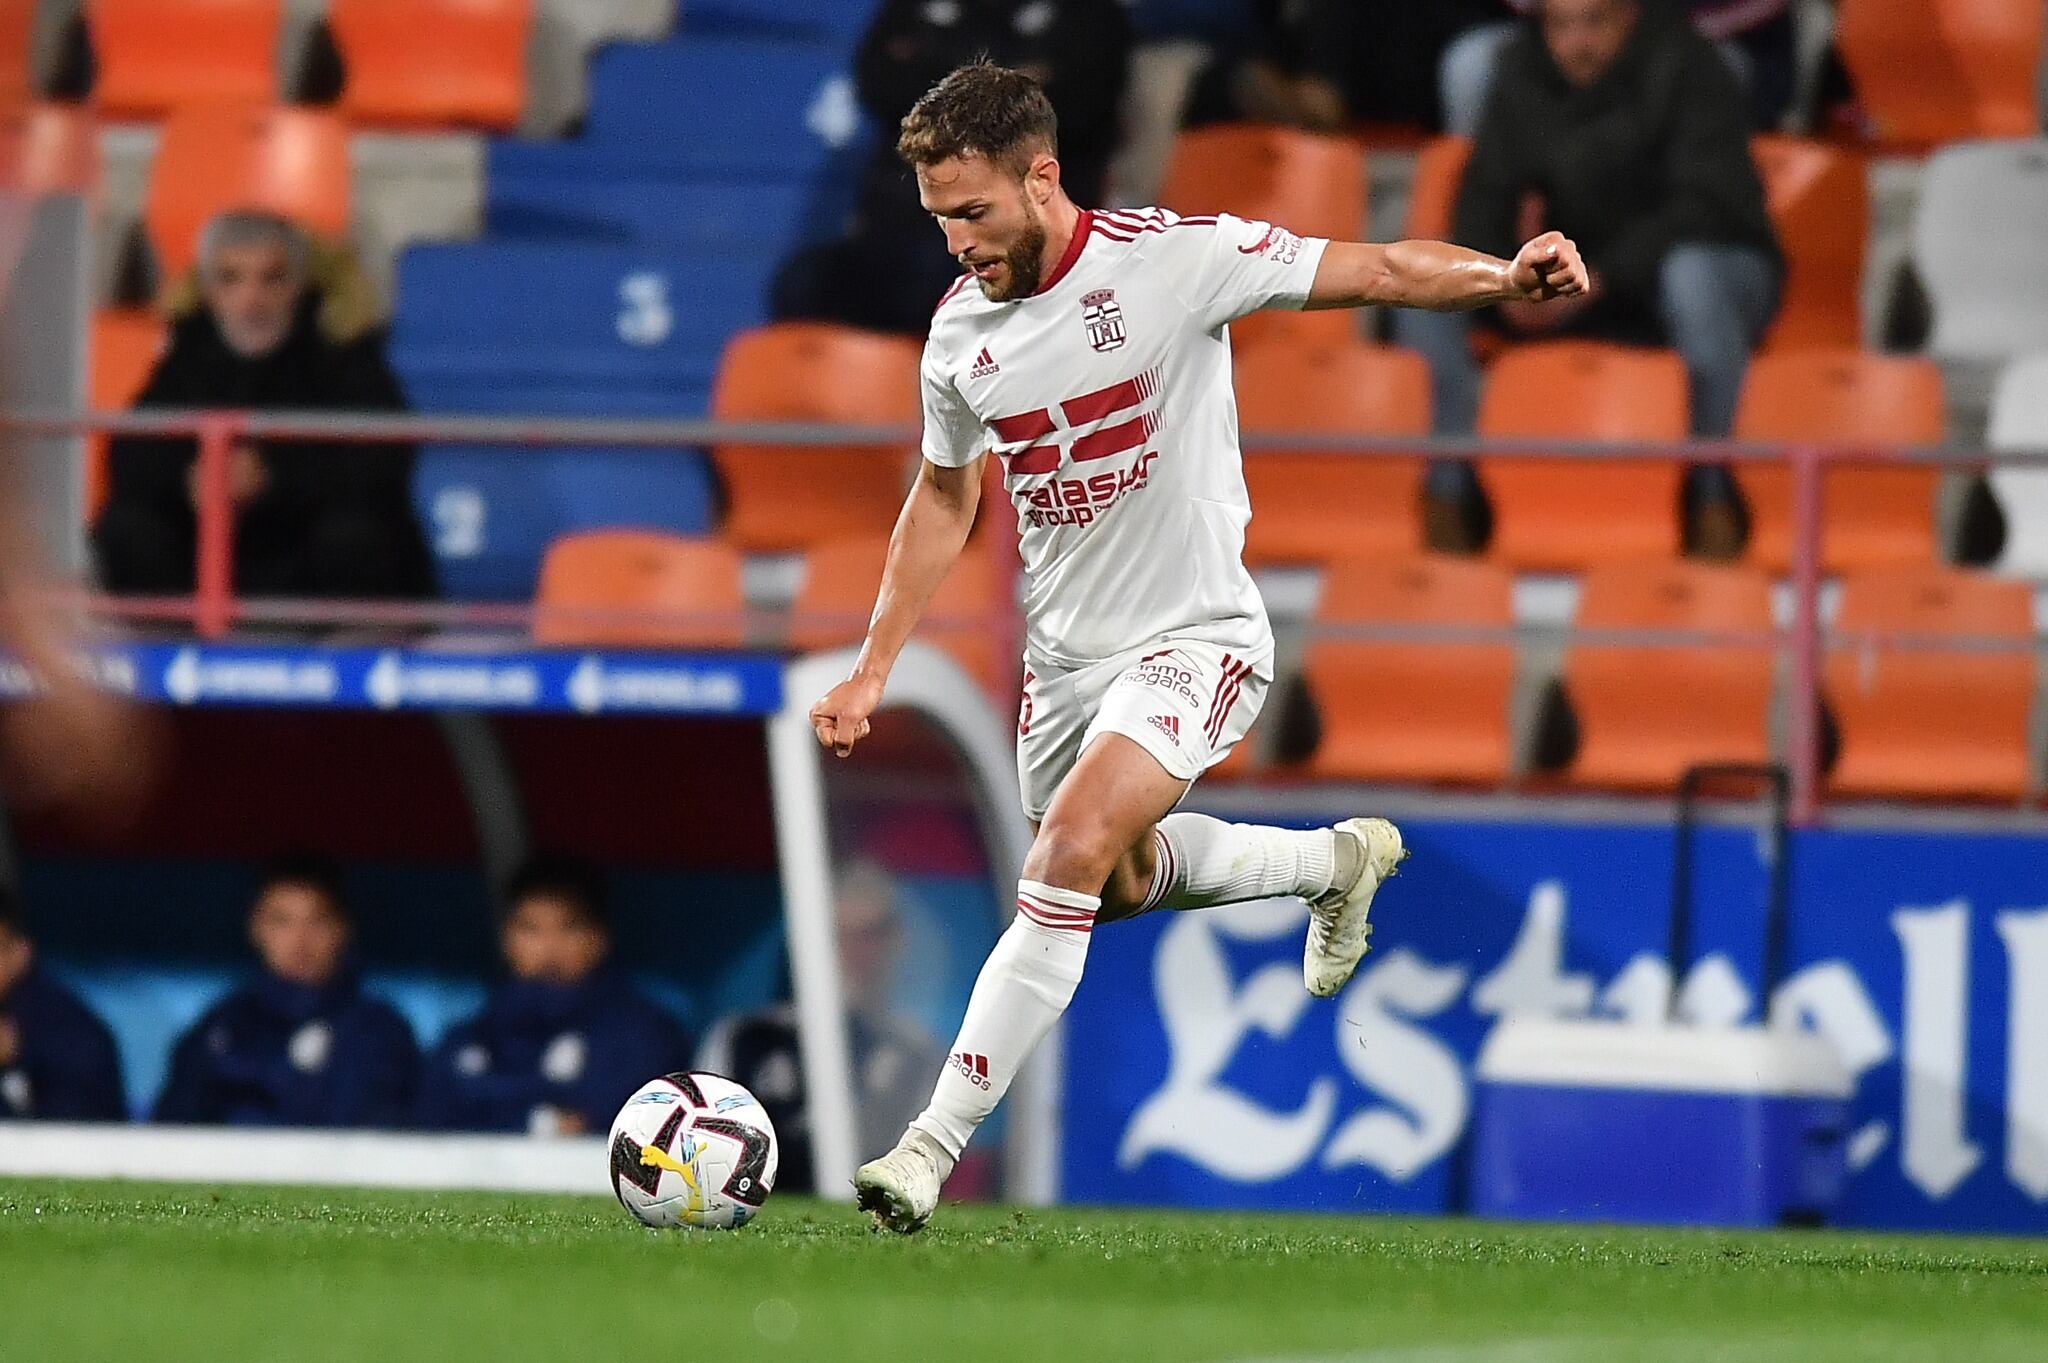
[(123, 352), (640, 571), (840, 578), (50, 149), (158, 55), (433, 63), (1934, 71), (1413, 709), (1646, 712), (1433, 195), (17, 29), (294, 162), (1871, 516), (1310, 506), (1818, 197), (1310, 184), (1926, 724), (1570, 513), (788, 497)]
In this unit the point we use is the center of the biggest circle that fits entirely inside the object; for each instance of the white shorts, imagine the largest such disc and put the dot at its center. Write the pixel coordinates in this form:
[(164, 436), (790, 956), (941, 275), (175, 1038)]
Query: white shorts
[(1185, 701)]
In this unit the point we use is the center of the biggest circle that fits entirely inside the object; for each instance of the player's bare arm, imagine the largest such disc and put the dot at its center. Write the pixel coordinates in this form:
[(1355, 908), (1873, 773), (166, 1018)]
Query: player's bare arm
[(1444, 278), (930, 533)]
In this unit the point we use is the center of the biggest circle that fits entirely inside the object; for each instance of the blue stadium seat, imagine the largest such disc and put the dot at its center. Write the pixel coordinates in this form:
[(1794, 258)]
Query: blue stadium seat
[(431, 1003), (840, 21), (490, 513), (724, 107), (569, 313), (147, 1008), (577, 200)]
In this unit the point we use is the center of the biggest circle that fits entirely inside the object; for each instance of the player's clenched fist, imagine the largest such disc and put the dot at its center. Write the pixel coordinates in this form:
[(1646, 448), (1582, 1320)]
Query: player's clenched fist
[(840, 719), (1549, 267)]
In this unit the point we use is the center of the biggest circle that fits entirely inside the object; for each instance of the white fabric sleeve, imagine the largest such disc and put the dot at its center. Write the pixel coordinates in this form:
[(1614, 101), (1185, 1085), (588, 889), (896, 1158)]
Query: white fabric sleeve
[(953, 434), (1237, 266)]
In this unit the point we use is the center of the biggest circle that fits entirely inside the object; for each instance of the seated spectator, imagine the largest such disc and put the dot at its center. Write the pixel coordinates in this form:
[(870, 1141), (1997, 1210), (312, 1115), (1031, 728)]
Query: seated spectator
[(58, 1061), (1616, 123), (560, 1046), (302, 1044), (889, 271), (1756, 38), (269, 322), (894, 1059)]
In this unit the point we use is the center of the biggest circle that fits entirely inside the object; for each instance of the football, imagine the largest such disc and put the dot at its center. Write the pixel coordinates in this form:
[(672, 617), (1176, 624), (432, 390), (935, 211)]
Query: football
[(692, 1150)]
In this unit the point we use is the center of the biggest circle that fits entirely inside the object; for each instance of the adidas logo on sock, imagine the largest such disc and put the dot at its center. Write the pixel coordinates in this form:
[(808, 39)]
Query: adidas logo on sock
[(973, 1068), (984, 365)]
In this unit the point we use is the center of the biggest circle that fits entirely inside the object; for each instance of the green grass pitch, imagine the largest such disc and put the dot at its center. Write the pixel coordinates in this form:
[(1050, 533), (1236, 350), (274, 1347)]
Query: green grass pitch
[(161, 1274)]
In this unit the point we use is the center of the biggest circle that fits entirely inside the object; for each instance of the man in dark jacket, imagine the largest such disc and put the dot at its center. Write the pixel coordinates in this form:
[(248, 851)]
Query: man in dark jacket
[(1616, 123), (1755, 37), (561, 1045), (890, 270), (57, 1059), (302, 1045), (273, 324)]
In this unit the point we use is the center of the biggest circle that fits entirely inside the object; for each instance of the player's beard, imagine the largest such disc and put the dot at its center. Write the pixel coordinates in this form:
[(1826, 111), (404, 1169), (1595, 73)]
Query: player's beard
[(1025, 261)]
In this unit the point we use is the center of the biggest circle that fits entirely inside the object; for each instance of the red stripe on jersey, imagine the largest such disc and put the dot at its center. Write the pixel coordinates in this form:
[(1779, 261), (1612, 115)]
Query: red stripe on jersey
[(1083, 228), (1092, 407), (1115, 439), (1152, 217), (1027, 426), (1012, 430), (1131, 232), (1037, 459), (958, 285)]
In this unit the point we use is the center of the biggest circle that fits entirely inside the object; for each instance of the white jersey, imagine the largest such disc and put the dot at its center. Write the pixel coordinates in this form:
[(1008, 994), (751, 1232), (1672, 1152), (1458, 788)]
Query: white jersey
[(1107, 397)]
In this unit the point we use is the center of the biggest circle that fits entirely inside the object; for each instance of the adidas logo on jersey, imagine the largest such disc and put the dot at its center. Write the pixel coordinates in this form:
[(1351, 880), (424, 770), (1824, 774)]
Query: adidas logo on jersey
[(1168, 725), (984, 365), (973, 1068)]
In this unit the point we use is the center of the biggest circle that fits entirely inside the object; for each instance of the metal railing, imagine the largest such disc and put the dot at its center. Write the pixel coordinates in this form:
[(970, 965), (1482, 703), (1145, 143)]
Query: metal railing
[(213, 609)]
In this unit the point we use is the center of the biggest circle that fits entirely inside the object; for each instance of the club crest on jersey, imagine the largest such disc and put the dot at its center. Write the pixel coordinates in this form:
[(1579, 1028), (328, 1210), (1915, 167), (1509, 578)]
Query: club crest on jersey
[(1103, 318)]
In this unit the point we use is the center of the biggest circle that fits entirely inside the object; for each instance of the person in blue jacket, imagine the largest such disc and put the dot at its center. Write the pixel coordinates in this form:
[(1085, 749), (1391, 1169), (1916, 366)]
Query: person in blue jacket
[(562, 1043), (302, 1044), (58, 1061)]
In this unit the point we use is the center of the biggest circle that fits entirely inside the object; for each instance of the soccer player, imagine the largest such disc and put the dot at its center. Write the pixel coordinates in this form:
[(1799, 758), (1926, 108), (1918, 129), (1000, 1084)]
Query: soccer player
[(1089, 352)]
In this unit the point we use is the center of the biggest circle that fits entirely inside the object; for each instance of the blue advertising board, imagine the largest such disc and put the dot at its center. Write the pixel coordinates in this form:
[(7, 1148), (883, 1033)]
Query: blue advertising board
[(1200, 1072), (538, 681)]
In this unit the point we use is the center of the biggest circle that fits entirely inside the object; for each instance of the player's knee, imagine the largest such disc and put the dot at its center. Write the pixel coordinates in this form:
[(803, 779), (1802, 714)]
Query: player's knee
[(1072, 855), (1125, 891)]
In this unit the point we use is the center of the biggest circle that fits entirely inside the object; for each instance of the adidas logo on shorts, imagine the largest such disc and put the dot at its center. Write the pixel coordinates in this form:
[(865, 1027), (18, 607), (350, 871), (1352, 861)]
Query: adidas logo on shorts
[(1168, 725)]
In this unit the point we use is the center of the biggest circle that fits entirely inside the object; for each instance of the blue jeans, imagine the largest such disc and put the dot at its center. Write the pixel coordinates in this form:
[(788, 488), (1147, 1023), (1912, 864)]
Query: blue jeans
[(1713, 300)]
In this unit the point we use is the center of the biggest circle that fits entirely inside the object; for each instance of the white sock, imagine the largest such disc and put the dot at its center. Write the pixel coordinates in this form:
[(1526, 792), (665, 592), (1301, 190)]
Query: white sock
[(1200, 862), (1024, 986)]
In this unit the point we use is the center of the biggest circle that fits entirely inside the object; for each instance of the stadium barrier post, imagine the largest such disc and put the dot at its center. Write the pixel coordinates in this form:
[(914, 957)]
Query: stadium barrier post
[(213, 604), (1803, 731)]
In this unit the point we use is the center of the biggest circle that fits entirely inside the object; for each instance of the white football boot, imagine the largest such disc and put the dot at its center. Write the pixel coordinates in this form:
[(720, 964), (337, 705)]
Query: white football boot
[(1337, 926), (901, 1189)]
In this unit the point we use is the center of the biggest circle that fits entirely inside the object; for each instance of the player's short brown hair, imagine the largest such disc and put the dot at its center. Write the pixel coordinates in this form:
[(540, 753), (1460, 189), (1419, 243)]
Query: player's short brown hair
[(981, 109)]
